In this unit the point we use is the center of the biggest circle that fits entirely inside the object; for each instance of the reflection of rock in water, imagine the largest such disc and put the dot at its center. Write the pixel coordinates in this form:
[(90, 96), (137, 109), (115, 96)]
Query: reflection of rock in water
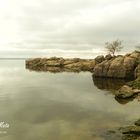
[(52, 69), (112, 85), (108, 83), (125, 100)]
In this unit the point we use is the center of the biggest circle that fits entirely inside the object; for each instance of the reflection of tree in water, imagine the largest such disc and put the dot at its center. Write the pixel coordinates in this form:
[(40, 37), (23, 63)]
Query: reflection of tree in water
[(111, 85)]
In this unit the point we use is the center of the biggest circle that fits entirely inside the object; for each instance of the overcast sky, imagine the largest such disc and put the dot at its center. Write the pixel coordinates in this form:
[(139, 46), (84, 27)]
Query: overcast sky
[(66, 27)]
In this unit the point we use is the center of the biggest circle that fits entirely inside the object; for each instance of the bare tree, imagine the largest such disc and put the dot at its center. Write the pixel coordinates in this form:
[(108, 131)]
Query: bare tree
[(114, 47)]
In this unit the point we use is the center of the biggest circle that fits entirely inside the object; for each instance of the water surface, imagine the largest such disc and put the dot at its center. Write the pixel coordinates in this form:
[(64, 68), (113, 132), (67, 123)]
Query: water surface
[(61, 106)]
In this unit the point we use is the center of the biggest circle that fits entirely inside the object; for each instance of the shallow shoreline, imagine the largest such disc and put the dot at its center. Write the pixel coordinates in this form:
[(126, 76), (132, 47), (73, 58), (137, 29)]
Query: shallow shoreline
[(125, 92)]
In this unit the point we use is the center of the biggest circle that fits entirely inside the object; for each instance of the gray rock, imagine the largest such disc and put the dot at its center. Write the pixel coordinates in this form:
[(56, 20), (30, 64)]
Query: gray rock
[(131, 130), (108, 57), (99, 59), (125, 92), (137, 123)]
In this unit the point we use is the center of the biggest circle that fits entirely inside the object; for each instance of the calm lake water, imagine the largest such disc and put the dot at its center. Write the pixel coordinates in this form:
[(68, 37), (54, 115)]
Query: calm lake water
[(62, 106)]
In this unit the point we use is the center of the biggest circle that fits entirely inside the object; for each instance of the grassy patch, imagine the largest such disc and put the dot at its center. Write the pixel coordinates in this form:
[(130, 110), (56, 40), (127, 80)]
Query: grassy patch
[(134, 84)]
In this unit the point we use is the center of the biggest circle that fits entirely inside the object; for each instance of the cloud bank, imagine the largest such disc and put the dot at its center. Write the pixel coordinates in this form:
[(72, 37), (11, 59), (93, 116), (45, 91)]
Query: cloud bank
[(66, 27)]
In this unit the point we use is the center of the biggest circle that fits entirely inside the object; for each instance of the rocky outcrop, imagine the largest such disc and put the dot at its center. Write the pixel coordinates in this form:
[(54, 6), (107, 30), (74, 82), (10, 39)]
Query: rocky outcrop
[(131, 132), (108, 57), (130, 90), (122, 67), (105, 69), (55, 64), (127, 92), (99, 59), (118, 67), (114, 86)]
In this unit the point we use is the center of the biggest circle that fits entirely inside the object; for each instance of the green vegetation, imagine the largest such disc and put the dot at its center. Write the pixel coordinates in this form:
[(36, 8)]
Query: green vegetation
[(134, 84)]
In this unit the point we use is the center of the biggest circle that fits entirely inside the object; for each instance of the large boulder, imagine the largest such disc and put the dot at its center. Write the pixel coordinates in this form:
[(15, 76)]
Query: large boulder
[(118, 67), (99, 59), (108, 57), (127, 92), (130, 90), (137, 123)]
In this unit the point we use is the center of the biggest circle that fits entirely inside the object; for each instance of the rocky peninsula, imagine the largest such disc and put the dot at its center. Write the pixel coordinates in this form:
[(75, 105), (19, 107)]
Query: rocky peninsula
[(114, 67), (55, 64)]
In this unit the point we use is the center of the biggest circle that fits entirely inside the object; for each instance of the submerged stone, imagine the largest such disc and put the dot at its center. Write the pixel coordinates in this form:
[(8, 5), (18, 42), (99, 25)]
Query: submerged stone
[(137, 123)]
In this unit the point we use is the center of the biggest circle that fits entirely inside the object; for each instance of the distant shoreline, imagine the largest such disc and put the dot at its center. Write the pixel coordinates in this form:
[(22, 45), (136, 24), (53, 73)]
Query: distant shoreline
[(13, 58)]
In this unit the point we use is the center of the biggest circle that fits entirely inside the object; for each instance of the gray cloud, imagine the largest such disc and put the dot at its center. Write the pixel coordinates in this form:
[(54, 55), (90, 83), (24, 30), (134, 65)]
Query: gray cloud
[(69, 25)]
